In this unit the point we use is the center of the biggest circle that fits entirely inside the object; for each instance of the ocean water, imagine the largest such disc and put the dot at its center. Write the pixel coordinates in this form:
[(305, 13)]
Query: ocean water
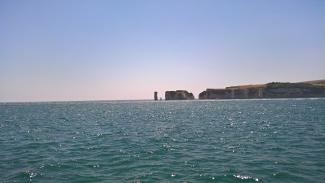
[(173, 141)]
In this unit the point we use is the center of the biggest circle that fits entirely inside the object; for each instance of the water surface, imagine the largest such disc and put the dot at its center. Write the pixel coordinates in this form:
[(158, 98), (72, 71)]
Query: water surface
[(174, 141)]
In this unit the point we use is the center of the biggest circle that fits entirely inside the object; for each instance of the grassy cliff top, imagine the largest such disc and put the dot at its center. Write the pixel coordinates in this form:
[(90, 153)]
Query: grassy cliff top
[(293, 85)]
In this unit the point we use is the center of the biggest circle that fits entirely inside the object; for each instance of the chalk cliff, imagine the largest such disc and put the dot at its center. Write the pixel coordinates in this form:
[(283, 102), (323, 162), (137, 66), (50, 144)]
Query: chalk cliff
[(269, 90), (178, 95)]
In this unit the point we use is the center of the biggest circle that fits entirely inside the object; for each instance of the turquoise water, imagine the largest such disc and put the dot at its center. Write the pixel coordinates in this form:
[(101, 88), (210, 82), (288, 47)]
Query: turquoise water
[(174, 141)]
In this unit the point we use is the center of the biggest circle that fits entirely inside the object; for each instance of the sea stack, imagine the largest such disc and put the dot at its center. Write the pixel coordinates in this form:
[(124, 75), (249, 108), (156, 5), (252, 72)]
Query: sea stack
[(178, 95), (156, 95)]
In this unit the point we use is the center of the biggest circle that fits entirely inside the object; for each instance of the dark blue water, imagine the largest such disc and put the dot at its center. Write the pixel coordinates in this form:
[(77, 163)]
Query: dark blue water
[(181, 141)]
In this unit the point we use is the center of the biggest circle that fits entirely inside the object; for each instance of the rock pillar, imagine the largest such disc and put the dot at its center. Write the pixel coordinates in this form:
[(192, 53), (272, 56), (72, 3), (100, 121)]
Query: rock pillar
[(156, 95)]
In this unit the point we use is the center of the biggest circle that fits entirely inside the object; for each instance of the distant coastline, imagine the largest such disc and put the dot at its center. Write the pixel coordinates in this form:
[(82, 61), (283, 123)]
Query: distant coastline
[(273, 90), (306, 89)]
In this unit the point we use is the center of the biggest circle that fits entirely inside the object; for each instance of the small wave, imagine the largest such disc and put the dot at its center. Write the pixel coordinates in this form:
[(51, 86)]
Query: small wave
[(244, 177)]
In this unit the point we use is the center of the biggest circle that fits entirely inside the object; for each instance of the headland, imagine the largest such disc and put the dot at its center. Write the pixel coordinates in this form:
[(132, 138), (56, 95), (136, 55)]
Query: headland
[(307, 89)]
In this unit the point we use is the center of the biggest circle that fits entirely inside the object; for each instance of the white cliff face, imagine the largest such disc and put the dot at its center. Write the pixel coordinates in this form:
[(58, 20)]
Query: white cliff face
[(269, 90), (178, 95)]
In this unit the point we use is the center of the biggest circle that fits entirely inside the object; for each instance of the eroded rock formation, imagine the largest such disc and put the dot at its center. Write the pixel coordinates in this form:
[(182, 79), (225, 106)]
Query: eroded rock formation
[(178, 95)]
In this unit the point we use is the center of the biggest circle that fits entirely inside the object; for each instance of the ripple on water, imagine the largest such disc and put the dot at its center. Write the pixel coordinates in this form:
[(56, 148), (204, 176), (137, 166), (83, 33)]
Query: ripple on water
[(180, 141)]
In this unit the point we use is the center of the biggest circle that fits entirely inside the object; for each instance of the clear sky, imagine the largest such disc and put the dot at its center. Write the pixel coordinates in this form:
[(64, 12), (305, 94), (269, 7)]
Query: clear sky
[(127, 49)]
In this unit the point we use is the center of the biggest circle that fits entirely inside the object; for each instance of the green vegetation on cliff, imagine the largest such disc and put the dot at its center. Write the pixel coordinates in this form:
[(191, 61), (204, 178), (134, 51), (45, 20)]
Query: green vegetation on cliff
[(274, 85)]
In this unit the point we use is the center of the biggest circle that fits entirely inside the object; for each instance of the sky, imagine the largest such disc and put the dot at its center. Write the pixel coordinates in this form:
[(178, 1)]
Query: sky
[(57, 50)]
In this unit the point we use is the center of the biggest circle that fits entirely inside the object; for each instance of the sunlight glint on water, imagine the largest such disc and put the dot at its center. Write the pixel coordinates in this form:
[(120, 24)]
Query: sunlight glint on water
[(181, 141)]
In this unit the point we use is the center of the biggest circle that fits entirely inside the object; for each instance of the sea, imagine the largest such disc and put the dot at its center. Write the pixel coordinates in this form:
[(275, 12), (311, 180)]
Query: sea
[(270, 140)]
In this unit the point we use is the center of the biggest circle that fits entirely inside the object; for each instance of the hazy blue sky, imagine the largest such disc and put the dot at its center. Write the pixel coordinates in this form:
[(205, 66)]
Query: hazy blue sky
[(92, 50)]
